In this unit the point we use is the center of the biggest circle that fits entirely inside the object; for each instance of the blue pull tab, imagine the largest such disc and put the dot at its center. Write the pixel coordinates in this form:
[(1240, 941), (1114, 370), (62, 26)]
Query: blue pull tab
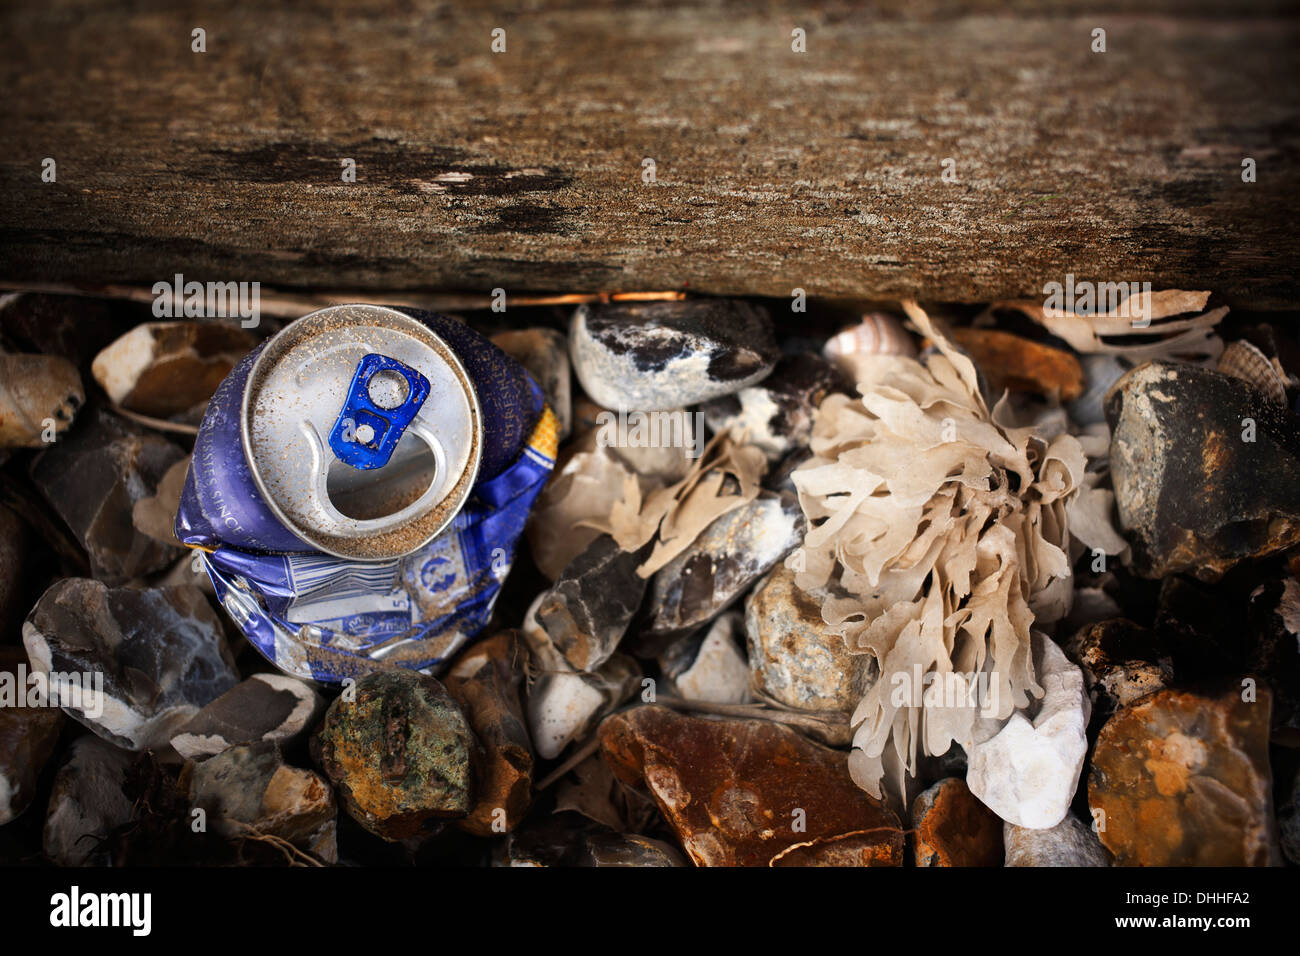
[(367, 432)]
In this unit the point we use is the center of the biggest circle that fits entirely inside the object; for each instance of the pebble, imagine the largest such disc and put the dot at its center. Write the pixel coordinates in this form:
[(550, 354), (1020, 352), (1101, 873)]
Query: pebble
[(588, 609), (87, 802), (545, 354), (399, 754), (1012, 362), (796, 659), (777, 414), (952, 828), (711, 667), (1070, 843), (39, 397), (485, 682), (750, 792), (1027, 772), (720, 565), (155, 515), (163, 369), (1183, 780), (563, 704), (1193, 494), (249, 790), (161, 651), (564, 839), (663, 355), (93, 477), (265, 707), (1121, 662)]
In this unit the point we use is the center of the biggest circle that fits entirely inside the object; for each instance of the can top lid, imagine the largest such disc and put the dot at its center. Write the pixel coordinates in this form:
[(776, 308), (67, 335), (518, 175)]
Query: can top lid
[(362, 431)]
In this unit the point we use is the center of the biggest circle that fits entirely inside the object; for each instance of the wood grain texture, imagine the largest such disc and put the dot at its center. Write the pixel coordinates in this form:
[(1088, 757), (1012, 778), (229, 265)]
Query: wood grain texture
[(775, 169)]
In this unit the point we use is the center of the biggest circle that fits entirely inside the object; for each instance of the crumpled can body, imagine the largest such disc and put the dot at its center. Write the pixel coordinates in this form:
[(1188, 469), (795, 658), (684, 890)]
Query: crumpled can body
[(330, 618)]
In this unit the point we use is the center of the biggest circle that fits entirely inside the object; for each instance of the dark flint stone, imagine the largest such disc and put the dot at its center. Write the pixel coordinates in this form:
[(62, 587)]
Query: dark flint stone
[(588, 610)]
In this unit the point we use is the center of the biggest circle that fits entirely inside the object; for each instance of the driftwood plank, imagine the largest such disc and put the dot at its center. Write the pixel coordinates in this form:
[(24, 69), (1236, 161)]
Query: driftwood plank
[(774, 169)]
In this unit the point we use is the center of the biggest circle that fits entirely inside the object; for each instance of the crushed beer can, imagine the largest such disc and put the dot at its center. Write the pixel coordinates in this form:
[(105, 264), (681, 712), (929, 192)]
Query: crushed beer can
[(359, 484)]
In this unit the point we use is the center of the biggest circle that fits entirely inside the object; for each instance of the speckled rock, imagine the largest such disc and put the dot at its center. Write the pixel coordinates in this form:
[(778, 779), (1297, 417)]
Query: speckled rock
[(87, 802), (750, 792), (250, 790), (1183, 780), (662, 355), (1028, 771), (27, 735), (1192, 494), (955, 829), (399, 754), (161, 651), (485, 681), (1070, 843), (167, 368), (796, 659), (709, 666), (590, 606), (93, 477), (271, 707), (776, 415), (720, 565), (545, 354)]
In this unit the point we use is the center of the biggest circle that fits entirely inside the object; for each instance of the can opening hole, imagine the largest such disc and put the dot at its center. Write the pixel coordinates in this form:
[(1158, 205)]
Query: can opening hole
[(377, 493), (387, 389)]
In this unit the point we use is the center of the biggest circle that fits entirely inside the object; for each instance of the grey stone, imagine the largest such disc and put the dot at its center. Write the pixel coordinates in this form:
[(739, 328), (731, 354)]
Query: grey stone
[(1069, 843), (272, 707), (87, 803), (663, 355), (161, 651), (93, 477), (710, 666), (588, 609)]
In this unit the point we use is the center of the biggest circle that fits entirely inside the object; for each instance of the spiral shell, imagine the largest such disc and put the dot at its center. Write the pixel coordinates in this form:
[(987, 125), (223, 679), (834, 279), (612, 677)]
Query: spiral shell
[(1244, 361), (877, 334)]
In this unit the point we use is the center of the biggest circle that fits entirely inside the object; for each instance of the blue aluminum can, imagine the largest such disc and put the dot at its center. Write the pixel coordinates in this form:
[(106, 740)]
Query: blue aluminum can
[(359, 485)]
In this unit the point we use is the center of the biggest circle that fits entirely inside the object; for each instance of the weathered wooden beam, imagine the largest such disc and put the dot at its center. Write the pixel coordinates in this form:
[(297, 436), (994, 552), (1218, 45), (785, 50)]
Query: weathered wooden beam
[(773, 169)]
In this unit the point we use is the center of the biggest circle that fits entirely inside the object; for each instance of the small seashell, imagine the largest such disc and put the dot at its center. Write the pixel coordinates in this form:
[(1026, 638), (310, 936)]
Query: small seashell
[(1244, 361), (877, 334)]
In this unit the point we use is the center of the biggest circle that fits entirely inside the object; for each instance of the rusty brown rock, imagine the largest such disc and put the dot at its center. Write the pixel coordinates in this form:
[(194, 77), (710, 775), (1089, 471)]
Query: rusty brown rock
[(485, 681), (954, 829), (750, 792), (1010, 361), (39, 397), (1183, 780)]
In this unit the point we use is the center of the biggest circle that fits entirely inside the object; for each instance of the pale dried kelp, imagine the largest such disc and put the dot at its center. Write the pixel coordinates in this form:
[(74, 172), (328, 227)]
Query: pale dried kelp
[(938, 535)]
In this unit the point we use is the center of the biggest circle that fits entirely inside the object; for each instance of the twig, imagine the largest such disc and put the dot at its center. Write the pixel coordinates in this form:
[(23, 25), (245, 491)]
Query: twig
[(581, 754), (160, 424)]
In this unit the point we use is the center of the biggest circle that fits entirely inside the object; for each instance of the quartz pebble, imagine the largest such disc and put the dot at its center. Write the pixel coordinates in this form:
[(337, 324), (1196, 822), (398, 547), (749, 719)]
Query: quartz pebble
[(1028, 771), (266, 707), (161, 652), (399, 753), (750, 792), (662, 355)]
